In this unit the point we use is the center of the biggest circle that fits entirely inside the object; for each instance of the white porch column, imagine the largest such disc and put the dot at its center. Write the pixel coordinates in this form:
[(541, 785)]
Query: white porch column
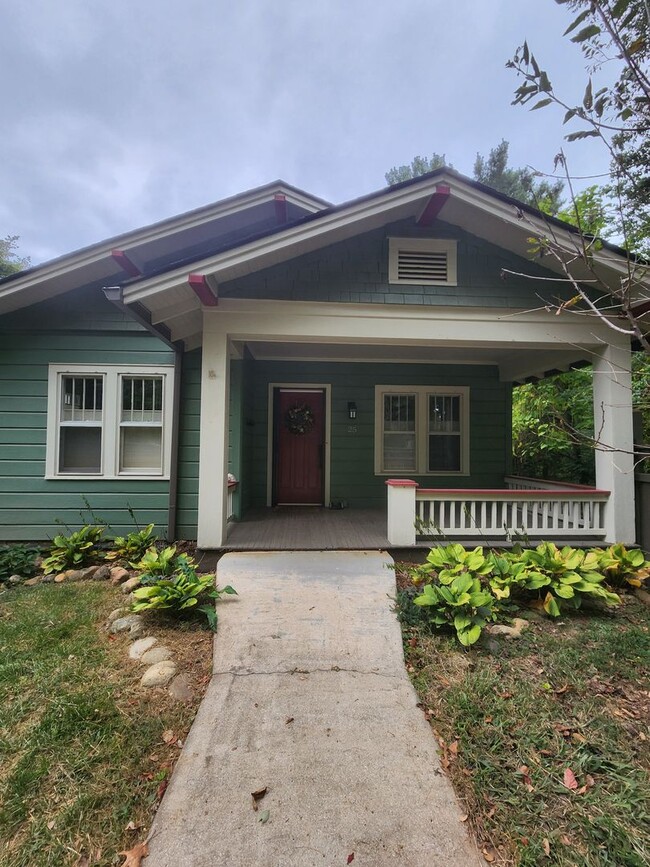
[(612, 390), (213, 443), (401, 512)]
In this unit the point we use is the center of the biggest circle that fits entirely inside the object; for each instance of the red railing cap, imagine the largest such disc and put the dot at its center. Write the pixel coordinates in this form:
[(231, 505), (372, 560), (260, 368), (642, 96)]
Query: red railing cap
[(402, 483)]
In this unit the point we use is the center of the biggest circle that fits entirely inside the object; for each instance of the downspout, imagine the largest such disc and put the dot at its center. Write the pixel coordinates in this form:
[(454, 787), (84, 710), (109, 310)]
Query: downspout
[(141, 315)]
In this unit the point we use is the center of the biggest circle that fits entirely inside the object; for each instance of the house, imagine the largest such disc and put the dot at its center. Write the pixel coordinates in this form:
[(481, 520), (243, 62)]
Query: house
[(360, 355)]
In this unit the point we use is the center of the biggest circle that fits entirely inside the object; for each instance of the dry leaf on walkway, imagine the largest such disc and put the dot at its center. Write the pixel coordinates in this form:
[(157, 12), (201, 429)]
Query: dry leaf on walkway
[(264, 816), (258, 795), (133, 857), (350, 858)]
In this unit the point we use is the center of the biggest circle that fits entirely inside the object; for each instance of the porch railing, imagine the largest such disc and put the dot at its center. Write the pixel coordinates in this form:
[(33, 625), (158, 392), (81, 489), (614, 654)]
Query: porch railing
[(533, 512)]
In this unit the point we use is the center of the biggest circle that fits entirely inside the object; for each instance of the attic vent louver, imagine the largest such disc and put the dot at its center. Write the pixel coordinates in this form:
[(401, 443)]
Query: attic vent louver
[(422, 261)]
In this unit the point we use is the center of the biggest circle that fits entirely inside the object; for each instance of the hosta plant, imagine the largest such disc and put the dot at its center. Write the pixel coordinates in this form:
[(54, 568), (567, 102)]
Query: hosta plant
[(162, 563), (447, 562), (181, 592), (567, 574), (132, 547), (460, 603), (73, 551), (622, 566), (17, 560)]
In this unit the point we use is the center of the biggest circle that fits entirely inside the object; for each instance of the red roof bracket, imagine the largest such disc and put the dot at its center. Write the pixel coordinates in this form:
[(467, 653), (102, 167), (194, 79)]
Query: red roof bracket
[(202, 289), (435, 204), (125, 263), (280, 201)]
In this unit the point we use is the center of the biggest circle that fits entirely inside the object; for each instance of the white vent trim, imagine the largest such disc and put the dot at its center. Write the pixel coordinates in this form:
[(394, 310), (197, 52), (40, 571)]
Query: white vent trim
[(422, 261)]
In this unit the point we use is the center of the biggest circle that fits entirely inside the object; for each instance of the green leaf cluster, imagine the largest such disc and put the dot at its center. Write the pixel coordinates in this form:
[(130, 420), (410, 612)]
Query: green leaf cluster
[(161, 563), (461, 603), (17, 560), (183, 590), (464, 589), (133, 546), (73, 551)]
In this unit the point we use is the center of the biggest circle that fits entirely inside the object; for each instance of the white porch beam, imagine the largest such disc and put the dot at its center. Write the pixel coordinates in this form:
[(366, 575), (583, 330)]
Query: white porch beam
[(213, 444), (305, 322), (612, 392)]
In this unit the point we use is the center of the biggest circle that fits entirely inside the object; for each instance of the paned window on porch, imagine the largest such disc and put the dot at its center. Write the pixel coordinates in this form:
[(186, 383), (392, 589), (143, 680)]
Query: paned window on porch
[(399, 432)]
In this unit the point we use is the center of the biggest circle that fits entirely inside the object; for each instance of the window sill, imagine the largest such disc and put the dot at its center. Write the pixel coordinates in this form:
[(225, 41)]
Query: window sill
[(76, 477)]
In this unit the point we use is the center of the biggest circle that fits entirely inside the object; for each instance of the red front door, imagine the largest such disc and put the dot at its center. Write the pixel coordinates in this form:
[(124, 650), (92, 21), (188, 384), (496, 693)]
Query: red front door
[(299, 446)]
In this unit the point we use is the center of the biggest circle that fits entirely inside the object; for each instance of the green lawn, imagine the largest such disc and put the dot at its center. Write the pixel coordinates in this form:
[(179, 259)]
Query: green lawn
[(513, 717), (82, 757)]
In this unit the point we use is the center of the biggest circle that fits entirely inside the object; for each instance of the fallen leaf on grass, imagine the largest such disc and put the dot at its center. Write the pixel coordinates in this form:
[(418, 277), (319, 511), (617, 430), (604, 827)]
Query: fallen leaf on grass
[(546, 846), (132, 826), (525, 777), (133, 857), (562, 689), (51, 824), (264, 816), (169, 737), (489, 854), (84, 861), (162, 788), (569, 780)]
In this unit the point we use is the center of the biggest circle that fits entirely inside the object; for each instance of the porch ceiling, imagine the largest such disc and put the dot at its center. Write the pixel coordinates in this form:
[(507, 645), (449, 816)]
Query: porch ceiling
[(513, 365)]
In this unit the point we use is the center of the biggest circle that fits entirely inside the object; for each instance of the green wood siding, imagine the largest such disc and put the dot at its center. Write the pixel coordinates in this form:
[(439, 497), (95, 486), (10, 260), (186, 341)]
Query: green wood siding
[(188, 447), (356, 271), (352, 451), (78, 328)]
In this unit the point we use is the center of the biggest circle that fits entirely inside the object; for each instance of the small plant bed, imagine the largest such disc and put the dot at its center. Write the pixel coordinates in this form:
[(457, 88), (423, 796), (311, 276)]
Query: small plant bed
[(543, 728), (85, 752)]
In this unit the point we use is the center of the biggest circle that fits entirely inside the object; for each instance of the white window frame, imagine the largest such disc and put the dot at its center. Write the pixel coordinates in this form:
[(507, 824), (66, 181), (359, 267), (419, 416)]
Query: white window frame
[(425, 245), (422, 394), (111, 418)]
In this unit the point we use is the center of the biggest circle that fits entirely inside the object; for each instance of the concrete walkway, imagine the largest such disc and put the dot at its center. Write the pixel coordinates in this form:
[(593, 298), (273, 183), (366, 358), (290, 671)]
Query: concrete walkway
[(310, 699)]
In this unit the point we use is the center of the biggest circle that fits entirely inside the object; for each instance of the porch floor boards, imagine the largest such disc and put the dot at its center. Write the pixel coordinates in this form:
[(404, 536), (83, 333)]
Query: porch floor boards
[(312, 528), (308, 528)]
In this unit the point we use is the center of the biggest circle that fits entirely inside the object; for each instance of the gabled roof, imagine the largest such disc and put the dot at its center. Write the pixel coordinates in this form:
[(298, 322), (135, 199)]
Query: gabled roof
[(243, 234), (160, 246)]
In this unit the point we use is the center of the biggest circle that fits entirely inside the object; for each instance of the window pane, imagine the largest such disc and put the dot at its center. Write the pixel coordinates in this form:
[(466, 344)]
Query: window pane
[(81, 398), (399, 412), (140, 449), (399, 452), (142, 399), (444, 413), (444, 453), (80, 450)]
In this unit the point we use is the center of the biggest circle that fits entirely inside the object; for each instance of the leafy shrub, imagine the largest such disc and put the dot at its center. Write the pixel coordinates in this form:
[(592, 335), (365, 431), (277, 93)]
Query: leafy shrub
[(182, 591), (459, 602), (452, 560), (622, 566), (73, 551), (17, 560), (157, 564), (567, 573), (133, 546)]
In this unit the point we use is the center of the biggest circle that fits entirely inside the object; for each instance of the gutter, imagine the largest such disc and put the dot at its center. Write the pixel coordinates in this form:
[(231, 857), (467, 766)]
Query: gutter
[(141, 315)]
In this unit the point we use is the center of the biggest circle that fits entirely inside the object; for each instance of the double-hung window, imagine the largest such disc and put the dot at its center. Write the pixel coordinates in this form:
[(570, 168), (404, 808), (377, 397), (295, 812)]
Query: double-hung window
[(109, 421), (422, 430)]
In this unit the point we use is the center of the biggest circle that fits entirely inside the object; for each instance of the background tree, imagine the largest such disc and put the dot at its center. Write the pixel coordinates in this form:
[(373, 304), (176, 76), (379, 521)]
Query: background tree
[(493, 170), (10, 261), (418, 166), (614, 37)]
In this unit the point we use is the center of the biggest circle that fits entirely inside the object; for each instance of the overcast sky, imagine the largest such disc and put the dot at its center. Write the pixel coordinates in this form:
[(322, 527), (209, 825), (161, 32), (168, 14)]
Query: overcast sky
[(117, 113)]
